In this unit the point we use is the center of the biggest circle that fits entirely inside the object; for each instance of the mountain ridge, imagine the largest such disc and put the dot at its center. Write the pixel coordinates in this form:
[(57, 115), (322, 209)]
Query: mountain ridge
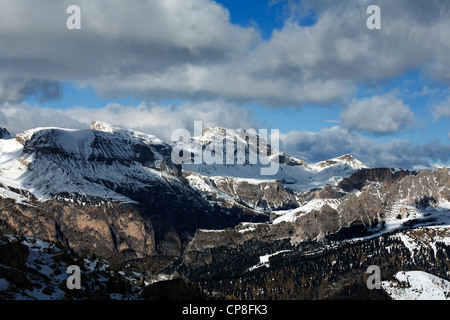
[(116, 192)]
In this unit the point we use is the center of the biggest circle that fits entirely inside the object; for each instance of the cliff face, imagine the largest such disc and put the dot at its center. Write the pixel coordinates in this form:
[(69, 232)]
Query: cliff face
[(258, 195), (4, 134), (109, 230), (362, 177), (378, 201)]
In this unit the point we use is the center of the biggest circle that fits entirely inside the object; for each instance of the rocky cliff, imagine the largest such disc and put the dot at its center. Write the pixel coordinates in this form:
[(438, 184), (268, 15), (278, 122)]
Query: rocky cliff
[(374, 201)]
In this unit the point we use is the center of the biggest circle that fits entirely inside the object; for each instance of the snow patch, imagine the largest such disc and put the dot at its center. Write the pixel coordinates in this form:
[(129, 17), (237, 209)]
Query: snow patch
[(264, 260), (417, 285), (314, 204)]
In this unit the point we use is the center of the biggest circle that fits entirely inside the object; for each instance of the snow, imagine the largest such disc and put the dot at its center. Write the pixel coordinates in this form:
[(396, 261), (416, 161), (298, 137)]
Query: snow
[(422, 286), (212, 230), (294, 214), (409, 243), (12, 165), (133, 134), (71, 170), (45, 271), (301, 177), (264, 260), (298, 177), (247, 180), (246, 227), (436, 217), (346, 159)]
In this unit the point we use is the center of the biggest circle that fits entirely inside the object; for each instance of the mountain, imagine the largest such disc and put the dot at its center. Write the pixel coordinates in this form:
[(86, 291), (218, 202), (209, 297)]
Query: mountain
[(120, 194), (295, 173), (383, 201), (346, 159), (398, 221), (104, 190), (241, 181)]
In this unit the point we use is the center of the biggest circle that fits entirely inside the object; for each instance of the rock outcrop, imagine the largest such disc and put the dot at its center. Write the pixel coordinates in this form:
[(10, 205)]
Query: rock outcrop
[(4, 134)]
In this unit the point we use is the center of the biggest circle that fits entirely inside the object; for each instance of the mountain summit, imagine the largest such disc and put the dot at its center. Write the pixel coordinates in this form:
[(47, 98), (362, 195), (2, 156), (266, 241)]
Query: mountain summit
[(346, 159)]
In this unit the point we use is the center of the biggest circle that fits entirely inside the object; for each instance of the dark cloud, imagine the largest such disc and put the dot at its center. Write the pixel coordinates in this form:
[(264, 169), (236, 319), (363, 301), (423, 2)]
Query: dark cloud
[(16, 89), (43, 90), (189, 49)]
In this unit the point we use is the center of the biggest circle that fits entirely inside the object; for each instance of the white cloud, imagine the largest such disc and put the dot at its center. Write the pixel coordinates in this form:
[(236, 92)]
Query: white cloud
[(441, 110), (381, 114), (157, 119), (161, 120), (18, 117), (116, 38)]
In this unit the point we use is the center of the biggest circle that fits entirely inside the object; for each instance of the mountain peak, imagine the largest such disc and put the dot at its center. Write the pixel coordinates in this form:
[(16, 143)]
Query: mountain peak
[(219, 132), (346, 159), (213, 130), (347, 156), (103, 126)]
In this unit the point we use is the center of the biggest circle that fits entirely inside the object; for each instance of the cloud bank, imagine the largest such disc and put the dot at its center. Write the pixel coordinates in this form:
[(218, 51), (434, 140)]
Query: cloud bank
[(336, 141), (152, 118), (189, 49)]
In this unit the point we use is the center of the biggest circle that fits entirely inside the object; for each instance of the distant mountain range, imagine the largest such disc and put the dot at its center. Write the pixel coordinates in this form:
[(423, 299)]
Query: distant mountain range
[(116, 193)]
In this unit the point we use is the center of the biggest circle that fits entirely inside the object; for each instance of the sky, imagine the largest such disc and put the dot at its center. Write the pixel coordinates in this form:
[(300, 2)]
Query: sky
[(310, 68)]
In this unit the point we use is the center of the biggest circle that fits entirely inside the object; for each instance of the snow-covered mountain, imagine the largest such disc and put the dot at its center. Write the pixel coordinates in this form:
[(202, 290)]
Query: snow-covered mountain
[(384, 195), (119, 193), (236, 177), (95, 163), (119, 188), (295, 173), (104, 160)]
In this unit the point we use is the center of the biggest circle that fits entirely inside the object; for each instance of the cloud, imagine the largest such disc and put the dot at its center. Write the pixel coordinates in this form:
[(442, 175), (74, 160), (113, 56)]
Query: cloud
[(18, 117), (189, 49), (116, 39), (16, 89), (381, 114), (162, 120), (157, 119), (441, 110), (336, 141)]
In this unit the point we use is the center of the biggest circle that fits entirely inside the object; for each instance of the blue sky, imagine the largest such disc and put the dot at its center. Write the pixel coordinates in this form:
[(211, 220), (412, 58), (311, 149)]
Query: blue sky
[(309, 68)]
